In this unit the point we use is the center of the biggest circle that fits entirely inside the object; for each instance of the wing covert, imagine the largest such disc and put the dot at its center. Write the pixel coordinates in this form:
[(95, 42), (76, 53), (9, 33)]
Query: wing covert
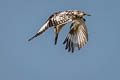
[(60, 18)]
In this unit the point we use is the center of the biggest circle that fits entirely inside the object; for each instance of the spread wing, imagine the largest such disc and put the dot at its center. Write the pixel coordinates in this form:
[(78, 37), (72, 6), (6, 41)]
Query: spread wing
[(77, 36), (56, 19), (42, 29)]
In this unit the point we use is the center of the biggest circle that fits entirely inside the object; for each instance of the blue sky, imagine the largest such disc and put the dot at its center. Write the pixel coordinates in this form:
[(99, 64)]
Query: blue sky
[(40, 59)]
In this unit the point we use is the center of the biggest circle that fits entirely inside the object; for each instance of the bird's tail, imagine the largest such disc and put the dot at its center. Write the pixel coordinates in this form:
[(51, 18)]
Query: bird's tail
[(42, 29), (57, 30)]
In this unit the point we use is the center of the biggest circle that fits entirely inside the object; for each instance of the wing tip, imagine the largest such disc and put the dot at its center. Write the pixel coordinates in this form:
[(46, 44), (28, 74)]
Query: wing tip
[(31, 38), (34, 37)]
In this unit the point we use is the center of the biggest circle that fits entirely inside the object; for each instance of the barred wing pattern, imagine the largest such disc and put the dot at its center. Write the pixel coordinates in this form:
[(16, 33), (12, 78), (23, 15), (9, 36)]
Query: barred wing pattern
[(77, 36), (56, 19), (42, 29)]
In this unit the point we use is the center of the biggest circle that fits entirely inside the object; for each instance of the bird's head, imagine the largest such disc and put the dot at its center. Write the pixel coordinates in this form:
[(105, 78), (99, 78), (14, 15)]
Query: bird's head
[(81, 14)]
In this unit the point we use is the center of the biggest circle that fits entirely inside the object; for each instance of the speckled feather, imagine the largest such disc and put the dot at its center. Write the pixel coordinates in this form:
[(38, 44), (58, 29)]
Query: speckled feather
[(77, 36)]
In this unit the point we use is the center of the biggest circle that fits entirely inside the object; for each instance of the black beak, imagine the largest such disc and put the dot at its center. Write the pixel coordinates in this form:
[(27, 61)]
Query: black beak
[(87, 14)]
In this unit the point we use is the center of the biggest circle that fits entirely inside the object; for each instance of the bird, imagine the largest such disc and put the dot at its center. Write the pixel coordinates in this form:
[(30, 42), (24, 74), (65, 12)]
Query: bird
[(77, 35)]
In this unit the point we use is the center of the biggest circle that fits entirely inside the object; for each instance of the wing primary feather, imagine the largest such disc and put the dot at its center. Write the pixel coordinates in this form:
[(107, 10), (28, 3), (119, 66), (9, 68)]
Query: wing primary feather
[(72, 47), (77, 36), (42, 29), (69, 46), (65, 40), (34, 36), (66, 44)]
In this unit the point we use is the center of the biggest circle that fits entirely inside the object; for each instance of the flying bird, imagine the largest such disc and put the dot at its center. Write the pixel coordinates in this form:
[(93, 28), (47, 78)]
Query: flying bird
[(77, 35)]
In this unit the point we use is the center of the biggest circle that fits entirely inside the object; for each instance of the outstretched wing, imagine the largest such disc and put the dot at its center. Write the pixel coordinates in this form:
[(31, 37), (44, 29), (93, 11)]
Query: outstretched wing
[(42, 29), (77, 36), (56, 19)]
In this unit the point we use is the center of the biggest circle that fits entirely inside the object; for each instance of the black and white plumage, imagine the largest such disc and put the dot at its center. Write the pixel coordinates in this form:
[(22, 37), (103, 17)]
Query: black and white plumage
[(77, 36)]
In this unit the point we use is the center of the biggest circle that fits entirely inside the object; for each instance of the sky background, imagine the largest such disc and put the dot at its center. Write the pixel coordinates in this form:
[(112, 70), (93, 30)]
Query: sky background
[(40, 59)]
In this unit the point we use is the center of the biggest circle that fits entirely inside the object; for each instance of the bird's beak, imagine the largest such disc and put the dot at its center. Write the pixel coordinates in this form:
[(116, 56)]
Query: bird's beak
[(87, 14)]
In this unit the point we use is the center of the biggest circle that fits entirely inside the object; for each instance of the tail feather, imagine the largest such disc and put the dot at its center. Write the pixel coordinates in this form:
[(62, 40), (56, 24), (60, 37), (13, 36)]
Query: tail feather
[(56, 37), (57, 30)]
